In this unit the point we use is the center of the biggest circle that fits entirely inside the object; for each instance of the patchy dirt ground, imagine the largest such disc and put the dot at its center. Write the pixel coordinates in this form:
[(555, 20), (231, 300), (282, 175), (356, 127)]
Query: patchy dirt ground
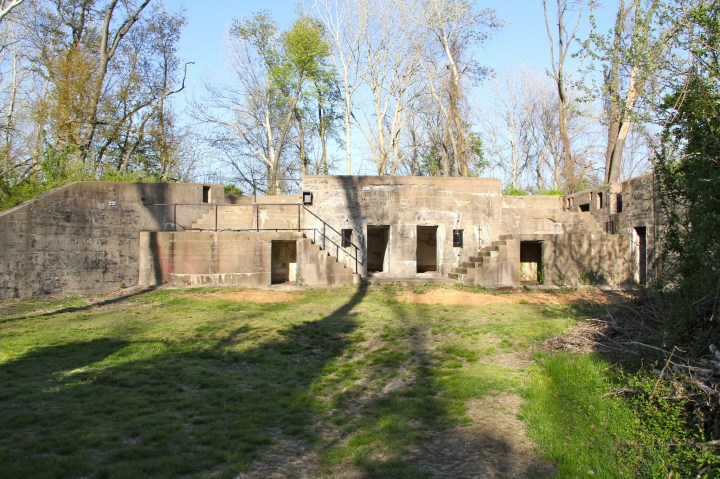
[(493, 445), (249, 296), (452, 297)]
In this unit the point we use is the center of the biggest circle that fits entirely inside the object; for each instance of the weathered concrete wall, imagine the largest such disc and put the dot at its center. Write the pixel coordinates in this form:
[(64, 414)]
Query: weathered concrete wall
[(624, 208), (230, 258), (403, 204), (83, 237), (585, 258)]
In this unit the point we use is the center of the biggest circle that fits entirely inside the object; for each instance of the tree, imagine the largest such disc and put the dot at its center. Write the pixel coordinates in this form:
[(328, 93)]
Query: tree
[(275, 72), (687, 173), (78, 42), (455, 29), (391, 80), (344, 26), (7, 6), (508, 130), (634, 54), (137, 132), (559, 49)]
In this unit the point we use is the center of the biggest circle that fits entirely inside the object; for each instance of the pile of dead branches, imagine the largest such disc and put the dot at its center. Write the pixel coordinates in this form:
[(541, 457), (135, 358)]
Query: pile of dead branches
[(635, 334)]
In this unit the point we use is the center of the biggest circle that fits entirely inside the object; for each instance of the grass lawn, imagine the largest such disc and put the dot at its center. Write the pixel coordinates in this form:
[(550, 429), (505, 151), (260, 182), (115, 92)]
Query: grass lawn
[(213, 383)]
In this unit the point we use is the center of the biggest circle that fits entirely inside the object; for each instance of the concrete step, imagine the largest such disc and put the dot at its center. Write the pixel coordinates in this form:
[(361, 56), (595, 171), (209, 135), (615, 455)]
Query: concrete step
[(457, 276), (477, 259), (470, 265), (460, 270)]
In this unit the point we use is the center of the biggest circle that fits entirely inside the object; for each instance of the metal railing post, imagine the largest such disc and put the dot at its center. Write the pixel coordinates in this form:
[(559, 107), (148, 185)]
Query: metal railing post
[(356, 260), (175, 217), (324, 236)]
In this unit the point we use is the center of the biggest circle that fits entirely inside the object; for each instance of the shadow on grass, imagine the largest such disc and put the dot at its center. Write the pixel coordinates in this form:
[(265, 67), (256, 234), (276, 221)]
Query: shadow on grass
[(406, 417), (108, 408), (75, 309)]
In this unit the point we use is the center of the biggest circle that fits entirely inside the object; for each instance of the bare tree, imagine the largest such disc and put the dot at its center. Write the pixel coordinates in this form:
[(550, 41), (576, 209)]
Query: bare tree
[(391, 78), (343, 20), (255, 119), (507, 131), (633, 54), (109, 41), (455, 29), (7, 6), (560, 43)]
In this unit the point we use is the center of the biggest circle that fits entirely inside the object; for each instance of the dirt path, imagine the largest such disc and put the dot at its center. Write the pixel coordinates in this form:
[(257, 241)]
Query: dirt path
[(455, 297), (249, 296)]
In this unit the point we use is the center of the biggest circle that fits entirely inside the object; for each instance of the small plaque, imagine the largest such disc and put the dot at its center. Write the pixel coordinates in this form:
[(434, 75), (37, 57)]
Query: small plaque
[(112, 203)]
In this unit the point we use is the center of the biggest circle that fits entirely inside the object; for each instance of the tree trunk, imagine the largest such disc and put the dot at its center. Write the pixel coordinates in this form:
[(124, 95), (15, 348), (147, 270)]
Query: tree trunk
[(107, 51)]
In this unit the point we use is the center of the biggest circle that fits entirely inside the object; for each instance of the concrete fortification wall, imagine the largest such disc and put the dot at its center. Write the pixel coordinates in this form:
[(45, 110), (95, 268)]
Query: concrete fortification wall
[(403, 204), (83, 237), (99, 237)]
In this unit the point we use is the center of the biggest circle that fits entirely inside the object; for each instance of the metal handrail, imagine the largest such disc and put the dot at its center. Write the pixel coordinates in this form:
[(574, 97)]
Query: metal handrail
[(300, 207)]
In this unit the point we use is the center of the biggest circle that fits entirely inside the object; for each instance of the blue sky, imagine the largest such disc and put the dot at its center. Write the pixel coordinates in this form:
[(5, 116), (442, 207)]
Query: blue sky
[(521, 42)]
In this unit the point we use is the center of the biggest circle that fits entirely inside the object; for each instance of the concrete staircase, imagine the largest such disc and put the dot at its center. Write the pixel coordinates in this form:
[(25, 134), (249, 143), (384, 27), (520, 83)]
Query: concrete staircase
[(493, 265), (326, 269)]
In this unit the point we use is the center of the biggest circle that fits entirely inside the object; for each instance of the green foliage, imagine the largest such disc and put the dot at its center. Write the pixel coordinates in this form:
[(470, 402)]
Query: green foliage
[(550, 192), (232, 190), (590, 431), (687, 173), (59, 167), (665, 431), (572, 417), (510, 190)]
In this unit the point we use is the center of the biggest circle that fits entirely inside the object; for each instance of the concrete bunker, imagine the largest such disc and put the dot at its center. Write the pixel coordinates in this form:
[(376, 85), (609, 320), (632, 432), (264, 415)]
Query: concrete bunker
[(531, 263), (426, 249), (377, 243), (283, 262)]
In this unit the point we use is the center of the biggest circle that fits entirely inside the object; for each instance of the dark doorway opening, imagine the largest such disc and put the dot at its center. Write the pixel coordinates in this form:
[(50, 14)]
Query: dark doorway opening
[(377, 242), (640, 247), (206, 194), (585, 207), (283, 262), (426, 249), (531, 265)]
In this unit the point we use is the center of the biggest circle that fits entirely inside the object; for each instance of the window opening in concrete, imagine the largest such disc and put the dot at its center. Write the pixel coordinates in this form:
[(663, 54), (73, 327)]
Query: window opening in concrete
[(531, 265), (600, 201), (584, 207), (457, 238), (619, 203), (640, 250), (377, 243), (426, 249), (283, 262), (346, 238), (206, 194)]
